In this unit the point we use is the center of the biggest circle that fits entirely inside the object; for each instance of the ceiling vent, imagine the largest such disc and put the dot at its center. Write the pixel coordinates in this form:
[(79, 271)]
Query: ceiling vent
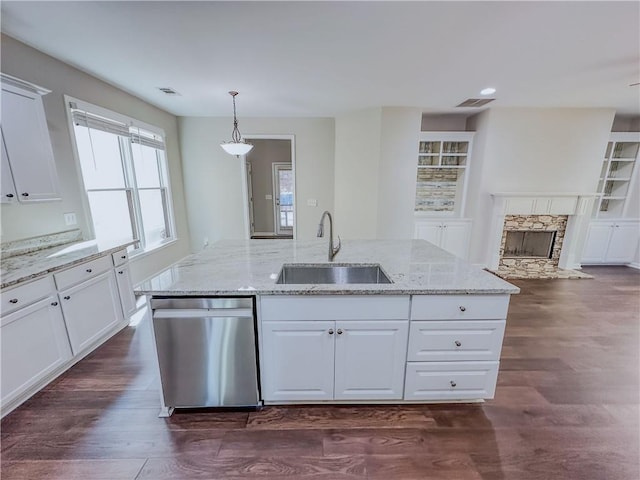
[(475, 102), (168, 91)]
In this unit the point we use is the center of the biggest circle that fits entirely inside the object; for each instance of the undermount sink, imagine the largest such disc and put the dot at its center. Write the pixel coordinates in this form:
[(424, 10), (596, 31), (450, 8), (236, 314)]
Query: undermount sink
[(331, 274)]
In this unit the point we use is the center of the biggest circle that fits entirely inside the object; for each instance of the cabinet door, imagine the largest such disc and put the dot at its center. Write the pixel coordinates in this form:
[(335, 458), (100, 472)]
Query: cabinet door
[(623, 243), (596, 243), (455, 238), (370, 359), (297, 360), (125, 289), (7, 189), (90, 310), (429, 231), (33, 344), (26, 137)]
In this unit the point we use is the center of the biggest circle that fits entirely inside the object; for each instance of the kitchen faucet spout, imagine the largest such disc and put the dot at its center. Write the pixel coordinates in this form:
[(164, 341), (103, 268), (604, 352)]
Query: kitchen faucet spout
[(333, 251)]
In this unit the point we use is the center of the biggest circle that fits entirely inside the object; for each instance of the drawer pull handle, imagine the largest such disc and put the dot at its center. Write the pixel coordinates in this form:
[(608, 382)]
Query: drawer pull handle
[(9, 195), (463, 309), (331, 331), (25, 194), (123, 257), (54, 304), (13, 300), (121, 272), (89, 270), (453, 384), (458, 343), (67, 297), (339, 331)]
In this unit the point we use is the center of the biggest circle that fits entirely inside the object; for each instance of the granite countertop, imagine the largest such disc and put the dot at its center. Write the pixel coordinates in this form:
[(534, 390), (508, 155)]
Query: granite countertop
[(40, 262), (250, 267)]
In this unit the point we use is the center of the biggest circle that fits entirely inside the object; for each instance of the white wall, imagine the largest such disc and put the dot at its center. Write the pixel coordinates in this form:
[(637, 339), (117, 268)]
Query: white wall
[(443, 122), (397, 172), (213, 178), (533, 150), (23, 221), (357, 157)]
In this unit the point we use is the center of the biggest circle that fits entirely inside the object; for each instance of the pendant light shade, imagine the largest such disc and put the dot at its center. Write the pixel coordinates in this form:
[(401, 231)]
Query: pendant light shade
[(236, 146)]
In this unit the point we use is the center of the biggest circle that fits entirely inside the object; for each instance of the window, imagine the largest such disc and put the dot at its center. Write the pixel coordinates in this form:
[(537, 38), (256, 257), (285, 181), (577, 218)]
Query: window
[(124, 169)]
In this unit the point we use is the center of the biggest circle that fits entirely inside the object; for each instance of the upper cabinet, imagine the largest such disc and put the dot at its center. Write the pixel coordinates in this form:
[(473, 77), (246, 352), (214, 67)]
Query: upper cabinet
[(616, 176), (442, 172), (28, 167)]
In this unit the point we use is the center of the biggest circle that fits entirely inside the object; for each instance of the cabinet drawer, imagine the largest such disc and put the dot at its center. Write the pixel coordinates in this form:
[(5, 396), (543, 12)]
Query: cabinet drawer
[(23, 295), (346, 307), (450, 380), (459, 307), (455, 340), (82, 272), (120, 257)]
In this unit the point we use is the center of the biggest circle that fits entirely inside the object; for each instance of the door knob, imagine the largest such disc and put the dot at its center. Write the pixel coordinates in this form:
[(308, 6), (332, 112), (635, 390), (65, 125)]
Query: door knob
[(339, 331), (25, 194), (9, 195), (331, 331), (67, 297)]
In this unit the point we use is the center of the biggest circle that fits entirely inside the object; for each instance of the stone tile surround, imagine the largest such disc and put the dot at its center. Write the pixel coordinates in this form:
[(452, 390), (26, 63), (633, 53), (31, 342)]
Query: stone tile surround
[(530, 267)]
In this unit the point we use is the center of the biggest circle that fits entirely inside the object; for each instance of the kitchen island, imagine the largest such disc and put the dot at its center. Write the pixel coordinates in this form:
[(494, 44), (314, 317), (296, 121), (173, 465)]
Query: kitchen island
[(433, 334)]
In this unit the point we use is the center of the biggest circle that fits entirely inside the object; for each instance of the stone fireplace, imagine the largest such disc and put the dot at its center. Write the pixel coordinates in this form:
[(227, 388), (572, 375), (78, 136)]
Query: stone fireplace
[(531, 244), (538, 236)]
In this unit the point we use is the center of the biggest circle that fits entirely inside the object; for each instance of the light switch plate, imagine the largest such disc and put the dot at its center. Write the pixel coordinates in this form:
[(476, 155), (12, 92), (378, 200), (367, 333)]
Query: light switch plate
[(70, 219), (268, 197), (312, 202)]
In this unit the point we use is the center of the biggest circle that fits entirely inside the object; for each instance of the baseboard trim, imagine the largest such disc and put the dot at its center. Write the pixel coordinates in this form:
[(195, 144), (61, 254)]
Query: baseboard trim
[(634, 265)]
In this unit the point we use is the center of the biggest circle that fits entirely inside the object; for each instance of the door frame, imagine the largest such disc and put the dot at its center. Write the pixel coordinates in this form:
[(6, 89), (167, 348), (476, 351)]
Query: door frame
[(245, 191)]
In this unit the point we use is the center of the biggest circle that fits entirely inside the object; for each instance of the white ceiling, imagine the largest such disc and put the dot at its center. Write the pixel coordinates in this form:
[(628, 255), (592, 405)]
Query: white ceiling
[(326, 58)]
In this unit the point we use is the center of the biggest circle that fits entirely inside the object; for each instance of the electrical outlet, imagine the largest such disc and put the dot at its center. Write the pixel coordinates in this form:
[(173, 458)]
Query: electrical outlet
[(205, 242), (70, 219)]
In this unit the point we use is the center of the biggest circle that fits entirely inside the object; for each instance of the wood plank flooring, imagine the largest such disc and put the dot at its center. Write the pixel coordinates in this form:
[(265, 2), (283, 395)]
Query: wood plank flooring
[(567, 406)]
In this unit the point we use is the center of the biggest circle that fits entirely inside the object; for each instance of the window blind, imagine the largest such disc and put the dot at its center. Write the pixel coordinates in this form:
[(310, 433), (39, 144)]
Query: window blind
[(136, 134)]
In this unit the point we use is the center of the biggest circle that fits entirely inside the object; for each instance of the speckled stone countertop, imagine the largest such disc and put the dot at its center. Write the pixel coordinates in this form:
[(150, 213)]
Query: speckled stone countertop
[(251, 267), (29, 266)]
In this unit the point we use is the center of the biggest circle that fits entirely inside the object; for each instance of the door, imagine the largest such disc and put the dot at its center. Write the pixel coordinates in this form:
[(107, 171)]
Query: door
[(298, 360), (597, 242), (455, 238), (34, 343), (125, 289), (370, 359), (7, 190), (90, 310), (283, 198), (623, 244)]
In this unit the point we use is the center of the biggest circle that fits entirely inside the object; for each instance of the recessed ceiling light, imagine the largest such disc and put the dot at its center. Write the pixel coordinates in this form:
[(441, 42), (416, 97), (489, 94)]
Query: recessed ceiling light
[(488, 91)]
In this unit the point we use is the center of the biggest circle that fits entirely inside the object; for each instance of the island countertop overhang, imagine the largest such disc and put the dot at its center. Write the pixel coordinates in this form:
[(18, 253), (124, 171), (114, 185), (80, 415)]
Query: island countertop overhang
[(251, 267)]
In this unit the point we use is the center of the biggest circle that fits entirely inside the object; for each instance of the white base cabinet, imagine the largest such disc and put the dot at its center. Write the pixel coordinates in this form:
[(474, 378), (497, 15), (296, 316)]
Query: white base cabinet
[(349, 354), (34, 345), (611, 242), (91, 309), (46, 327), (451, 235)]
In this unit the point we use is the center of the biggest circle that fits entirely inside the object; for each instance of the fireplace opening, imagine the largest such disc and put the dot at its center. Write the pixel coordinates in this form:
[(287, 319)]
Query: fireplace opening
[(526, 243)]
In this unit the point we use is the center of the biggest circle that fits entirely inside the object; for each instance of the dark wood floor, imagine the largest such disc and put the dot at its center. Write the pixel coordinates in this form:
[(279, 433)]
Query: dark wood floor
[(566, 407)]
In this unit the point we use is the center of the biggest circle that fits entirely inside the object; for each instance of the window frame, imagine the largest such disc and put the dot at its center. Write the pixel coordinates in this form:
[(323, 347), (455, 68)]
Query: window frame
[(131, 188)]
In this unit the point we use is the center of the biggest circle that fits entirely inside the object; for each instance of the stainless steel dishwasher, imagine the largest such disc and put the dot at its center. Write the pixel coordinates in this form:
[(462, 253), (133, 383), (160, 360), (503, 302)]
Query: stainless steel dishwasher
[(206, 351)]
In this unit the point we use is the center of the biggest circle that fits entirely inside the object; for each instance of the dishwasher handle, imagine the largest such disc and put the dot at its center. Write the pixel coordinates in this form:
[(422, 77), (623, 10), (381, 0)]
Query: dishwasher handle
[(203, 313)]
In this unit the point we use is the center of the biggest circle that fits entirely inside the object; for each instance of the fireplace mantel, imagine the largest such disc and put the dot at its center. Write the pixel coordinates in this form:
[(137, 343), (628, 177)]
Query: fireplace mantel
[(577, 206)]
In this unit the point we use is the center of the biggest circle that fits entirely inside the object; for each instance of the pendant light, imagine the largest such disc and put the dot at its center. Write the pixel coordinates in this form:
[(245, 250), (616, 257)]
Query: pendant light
[(236, 146)]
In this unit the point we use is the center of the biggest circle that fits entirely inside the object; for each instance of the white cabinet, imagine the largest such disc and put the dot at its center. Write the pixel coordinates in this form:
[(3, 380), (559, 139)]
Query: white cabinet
[(26, 144), (91, 309), (298, 360), (611, 242), (454, 346), (34, 340), (370, 359), (7, 188), (333, 348), (125, 289), (451, 235)]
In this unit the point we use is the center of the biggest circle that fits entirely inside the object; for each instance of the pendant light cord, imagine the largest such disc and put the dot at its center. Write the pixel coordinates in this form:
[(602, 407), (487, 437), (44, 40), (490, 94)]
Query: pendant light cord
[(235, 135)]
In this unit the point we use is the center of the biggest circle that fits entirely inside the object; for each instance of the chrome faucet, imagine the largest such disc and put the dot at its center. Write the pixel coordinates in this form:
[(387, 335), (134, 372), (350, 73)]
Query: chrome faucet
[(333, 251)]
